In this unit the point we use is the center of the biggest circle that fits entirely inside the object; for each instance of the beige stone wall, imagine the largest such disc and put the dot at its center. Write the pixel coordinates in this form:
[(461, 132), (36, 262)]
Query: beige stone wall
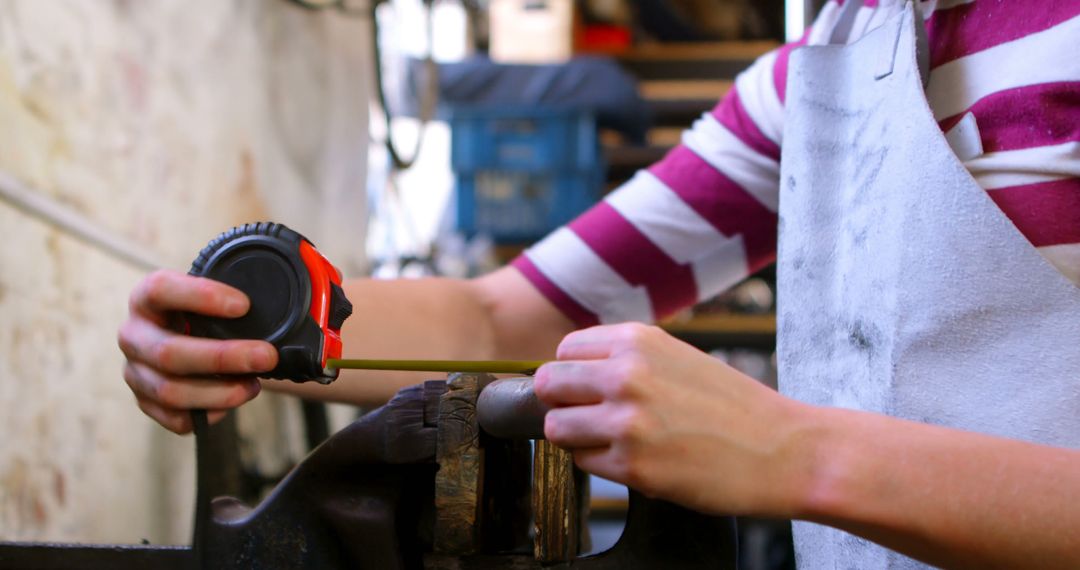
[(164, 121)]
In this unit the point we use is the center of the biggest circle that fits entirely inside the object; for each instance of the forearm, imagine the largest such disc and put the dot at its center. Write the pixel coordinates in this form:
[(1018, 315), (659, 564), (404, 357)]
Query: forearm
[(948, 497), (496, 316)]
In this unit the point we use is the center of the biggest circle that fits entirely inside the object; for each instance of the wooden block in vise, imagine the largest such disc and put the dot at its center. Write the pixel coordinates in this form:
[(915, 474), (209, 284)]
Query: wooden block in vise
[(459, 480), (555, 504)]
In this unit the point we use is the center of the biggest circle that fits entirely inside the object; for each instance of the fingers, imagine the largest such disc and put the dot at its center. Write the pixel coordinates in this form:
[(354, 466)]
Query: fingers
[(601, 461), (143, 341), (159, 359), (586, 344), (569, 383), (621, 464), (165, 291), (606, 341), (592, 364), (579, 426), (599, 426), (181, 393), (176, 421)]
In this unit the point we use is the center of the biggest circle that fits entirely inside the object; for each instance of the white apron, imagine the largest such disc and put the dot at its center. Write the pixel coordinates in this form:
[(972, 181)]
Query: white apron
[(903, 289)]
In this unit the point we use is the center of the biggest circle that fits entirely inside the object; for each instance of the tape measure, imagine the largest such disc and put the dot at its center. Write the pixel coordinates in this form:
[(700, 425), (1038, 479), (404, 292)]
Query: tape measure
[(297, 303)]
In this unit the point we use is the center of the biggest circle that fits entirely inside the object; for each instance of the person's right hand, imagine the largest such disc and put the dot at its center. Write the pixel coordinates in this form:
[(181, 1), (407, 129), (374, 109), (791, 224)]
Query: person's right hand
[(171, 373)]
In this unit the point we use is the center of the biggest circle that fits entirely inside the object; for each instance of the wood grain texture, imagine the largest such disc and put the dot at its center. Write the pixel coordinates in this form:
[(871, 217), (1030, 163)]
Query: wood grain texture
[(555, 504), (461, 462)]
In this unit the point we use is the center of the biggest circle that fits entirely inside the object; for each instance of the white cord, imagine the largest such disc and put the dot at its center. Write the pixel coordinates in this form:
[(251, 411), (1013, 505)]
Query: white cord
[(64, 218)]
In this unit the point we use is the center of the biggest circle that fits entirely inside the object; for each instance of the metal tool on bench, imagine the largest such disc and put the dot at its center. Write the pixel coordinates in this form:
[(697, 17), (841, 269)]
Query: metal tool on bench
[(438, 478)]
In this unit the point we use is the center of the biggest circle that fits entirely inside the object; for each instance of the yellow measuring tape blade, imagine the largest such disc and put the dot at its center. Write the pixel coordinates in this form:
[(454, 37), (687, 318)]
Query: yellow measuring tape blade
[(526, 367)]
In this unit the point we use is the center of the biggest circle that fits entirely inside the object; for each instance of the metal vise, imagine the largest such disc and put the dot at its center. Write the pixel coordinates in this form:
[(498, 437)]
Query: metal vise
[(441, 477)]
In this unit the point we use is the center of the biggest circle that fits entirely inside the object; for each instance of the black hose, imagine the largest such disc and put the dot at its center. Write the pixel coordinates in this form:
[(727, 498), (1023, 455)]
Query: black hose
[(202, 487)]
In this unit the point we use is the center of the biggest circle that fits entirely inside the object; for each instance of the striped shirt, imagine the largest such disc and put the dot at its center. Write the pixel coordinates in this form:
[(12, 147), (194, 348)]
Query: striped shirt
[(704, 217)]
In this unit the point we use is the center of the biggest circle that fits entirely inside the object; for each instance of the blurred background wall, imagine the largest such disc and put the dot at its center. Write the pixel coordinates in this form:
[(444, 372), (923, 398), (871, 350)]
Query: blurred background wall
[(163, 122)]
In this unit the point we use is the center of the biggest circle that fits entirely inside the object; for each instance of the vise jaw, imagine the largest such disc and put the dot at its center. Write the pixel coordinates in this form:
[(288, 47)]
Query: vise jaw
[(421, 484)]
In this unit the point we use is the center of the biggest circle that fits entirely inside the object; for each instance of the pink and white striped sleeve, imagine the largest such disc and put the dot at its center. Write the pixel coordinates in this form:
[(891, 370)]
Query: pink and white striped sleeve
[(705, 216), (688, 227)]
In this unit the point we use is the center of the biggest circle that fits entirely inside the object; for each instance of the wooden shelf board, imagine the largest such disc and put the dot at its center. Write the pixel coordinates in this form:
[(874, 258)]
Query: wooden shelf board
[(724, 324)]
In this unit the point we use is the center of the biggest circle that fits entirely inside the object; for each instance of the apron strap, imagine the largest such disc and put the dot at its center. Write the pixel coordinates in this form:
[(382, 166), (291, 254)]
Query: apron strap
[(890, 49), (842, 29)]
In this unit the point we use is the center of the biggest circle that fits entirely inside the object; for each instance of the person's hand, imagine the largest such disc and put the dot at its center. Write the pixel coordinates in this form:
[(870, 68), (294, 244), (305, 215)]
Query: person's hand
[(171, 373), (640, 407)]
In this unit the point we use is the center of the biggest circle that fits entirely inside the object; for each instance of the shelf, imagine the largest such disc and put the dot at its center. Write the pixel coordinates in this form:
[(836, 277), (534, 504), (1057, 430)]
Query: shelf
[(709, 61), (686, 89), (709, 332), (701, 50)]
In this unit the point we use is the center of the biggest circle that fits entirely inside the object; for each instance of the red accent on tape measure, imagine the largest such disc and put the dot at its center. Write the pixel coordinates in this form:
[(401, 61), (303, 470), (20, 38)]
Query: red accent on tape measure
[(322, 274)]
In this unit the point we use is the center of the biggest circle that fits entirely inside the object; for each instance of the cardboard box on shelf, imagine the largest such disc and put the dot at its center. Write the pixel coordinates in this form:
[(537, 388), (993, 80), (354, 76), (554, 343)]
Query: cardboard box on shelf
[(531, 31)]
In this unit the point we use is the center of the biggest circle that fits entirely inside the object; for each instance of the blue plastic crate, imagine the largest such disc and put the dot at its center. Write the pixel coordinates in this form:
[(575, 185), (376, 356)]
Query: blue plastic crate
[(514, 207), (523, 138), (522, 172)]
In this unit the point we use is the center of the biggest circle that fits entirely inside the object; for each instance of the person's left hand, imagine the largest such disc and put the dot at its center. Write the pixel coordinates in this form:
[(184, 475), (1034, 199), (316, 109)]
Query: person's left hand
[(640, 407)]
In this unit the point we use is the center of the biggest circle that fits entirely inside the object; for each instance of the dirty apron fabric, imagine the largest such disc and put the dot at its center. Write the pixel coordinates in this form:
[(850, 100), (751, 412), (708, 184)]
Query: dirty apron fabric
[(903, 289)]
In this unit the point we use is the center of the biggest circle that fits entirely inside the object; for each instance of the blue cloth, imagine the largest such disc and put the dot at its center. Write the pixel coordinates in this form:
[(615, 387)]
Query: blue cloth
[(597, 84)]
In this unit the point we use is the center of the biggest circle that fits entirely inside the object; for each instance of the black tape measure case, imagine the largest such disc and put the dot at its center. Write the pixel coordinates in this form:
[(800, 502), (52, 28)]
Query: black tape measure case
[(297, 303)]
